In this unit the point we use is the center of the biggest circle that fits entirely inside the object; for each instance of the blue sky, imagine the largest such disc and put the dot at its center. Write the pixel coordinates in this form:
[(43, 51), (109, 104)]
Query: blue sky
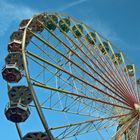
[(118, 21)]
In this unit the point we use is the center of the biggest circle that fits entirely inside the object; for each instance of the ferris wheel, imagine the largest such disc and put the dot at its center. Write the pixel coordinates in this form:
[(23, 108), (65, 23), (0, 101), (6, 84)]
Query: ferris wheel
[(65, 79)]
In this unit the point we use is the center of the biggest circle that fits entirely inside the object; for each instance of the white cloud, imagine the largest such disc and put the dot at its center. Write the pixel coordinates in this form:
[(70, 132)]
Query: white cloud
[(71, 5), (11, 12)]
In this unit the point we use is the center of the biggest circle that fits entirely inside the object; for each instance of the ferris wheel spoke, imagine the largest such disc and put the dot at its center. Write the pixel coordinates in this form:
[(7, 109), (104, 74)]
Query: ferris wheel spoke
[(74, 53), (120, 70), (70, 112), (59, 68), (94, 43), (119, 65), (76, 106), (78, 66), (56, 74), (113, 69), (92, 114), (130, 80), (138, 131), (74, 109), (80, 109), (76, 45), (104, 58), (79, 130), (103, 75), (65, 45), (86, 126), (65, 33), (88, 106), (137, 90), (136, 85), (80, 91), (79, 106), (79, 95), (126, 76), (65, 81)]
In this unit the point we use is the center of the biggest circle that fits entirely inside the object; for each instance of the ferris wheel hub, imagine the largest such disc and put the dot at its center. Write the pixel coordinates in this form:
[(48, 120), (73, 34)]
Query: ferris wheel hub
[(137, 107)]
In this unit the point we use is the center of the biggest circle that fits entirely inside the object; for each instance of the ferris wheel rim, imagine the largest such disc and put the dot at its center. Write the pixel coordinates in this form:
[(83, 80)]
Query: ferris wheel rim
[(27, 73)]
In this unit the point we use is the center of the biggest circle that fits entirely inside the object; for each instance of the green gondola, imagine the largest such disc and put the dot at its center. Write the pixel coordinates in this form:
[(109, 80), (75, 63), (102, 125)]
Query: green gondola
[(138, 81), (51, 21), (104, 48), (91, 38), (78, 30), (64, 24), (117, 58), (130, 69)]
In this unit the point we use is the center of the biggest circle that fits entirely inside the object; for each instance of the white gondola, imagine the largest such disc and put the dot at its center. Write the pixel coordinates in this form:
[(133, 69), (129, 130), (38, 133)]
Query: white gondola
[(17, 112), (15, 58), (22, 93), (11, 73), (15, 46), (36, 136)]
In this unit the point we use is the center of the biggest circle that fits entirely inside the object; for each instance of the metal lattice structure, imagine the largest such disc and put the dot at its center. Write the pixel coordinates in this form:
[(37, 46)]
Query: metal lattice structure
[(59, 64)]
